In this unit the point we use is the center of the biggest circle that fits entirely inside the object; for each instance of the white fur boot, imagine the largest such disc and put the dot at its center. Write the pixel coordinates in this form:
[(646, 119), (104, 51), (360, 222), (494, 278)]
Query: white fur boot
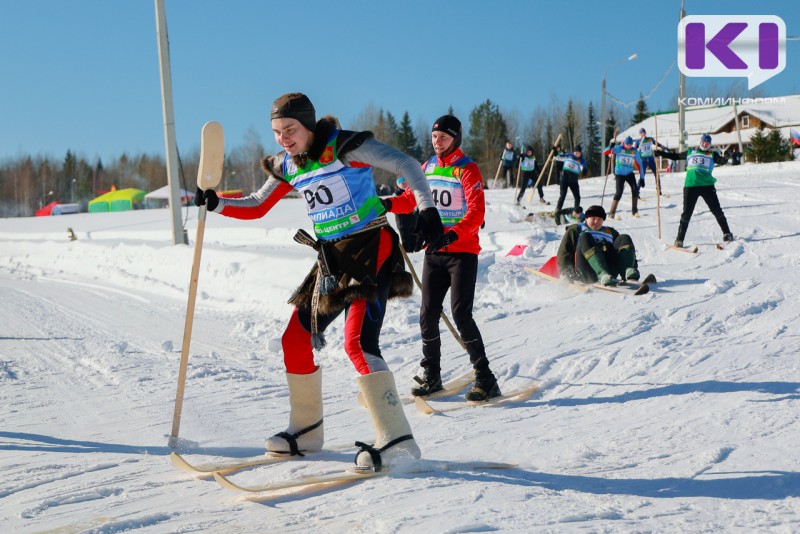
[(305, 432), (393, 438)]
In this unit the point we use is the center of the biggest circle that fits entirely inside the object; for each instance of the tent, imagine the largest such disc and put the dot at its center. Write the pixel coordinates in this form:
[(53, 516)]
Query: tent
[(118, 200), (46, 210), (160, 197)]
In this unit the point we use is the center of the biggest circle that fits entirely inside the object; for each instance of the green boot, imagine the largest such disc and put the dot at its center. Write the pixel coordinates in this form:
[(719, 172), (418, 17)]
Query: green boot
[(627, 263), (598, 264)]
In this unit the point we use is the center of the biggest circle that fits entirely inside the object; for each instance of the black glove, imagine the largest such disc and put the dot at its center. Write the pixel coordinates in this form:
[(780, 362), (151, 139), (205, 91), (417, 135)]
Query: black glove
[(570, 273), (445, 240), (556, 149), (387, 204), (429, 225), (612, 144), (207, 198), (641, 183)]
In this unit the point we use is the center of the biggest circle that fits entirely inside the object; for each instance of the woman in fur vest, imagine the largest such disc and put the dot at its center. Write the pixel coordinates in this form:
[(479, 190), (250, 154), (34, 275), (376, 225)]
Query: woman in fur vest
[(359, 267)]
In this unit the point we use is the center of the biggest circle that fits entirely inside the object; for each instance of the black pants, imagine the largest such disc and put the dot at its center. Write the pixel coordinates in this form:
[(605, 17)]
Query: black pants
[(619, 256), (456, 273), (621, 180), (524, 184), (709, 195), (569, 181), (508, 175)]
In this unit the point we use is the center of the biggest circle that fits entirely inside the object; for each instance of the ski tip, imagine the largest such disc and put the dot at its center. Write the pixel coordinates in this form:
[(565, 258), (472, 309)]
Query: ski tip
[(226, 483), (423, 406), (643, 289)]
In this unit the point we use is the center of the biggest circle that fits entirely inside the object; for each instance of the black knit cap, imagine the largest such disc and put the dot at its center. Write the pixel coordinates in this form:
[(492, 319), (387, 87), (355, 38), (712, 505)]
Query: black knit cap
[(451, 126), (595, 211), (295, 106)]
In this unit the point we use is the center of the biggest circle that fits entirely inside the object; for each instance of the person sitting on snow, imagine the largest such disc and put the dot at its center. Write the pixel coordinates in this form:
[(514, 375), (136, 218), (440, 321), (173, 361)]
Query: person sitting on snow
[(590, 252)]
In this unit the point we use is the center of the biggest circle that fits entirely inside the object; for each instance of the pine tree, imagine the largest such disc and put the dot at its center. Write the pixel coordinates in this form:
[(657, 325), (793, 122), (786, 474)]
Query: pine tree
[(64, 186), (641, 111), (392, 129), (407, 140), (592, 148), (386, 129), (487, 134), (779, 148), (757, 151), (571, 126)]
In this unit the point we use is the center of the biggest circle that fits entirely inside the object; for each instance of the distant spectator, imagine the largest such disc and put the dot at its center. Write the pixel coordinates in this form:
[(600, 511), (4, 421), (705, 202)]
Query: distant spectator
[(529, 168), (509, 157)]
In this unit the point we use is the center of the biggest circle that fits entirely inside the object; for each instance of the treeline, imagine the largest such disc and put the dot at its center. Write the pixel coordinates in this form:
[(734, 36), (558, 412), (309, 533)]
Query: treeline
[(30, 182), (487, 128)]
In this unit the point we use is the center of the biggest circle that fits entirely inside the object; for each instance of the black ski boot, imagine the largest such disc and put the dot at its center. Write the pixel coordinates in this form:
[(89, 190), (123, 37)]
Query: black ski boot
[(431, 382), (485, 387)]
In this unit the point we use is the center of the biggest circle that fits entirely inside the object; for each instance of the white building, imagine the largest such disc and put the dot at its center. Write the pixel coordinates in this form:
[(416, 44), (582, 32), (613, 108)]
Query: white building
[(716, 117)]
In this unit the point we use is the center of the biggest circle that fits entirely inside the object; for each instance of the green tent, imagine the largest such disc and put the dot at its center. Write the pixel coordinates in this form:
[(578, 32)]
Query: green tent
[(119, 200)]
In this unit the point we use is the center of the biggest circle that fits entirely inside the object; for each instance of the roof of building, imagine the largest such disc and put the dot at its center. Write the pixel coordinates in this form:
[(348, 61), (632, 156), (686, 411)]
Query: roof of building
[(778, 112)]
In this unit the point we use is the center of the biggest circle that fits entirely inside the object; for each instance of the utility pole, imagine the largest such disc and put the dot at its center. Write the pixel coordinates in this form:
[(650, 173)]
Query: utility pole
[(178, 234), (681, 106)]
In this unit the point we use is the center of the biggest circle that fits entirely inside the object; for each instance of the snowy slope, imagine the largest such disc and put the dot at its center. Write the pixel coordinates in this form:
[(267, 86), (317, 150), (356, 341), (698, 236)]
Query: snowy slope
[(676, 411)]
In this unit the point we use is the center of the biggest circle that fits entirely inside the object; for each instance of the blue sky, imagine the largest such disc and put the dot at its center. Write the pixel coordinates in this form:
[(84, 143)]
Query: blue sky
[(84, 75)]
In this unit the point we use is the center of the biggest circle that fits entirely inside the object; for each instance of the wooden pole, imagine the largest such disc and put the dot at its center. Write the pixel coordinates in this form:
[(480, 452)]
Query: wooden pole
[(544, 168), (497, 174), (419, 285), (658, 183), (550, 172), (209, 174), (517, 185), (608, 167)]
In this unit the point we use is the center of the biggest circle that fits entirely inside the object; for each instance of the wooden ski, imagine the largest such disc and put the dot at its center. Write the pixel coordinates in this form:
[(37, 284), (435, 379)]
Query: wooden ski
[(350, 477), (517, 395)]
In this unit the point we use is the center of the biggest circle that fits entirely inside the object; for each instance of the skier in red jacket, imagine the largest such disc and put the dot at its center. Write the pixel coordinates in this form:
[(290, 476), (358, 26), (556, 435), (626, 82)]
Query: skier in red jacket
[(451, 262)]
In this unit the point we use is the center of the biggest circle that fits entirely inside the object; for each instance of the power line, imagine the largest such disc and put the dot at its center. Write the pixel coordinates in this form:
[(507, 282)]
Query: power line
[(648, 95)]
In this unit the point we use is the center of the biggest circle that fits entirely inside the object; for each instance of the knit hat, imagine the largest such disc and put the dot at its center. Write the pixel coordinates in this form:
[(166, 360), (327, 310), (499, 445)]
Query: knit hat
[(705, 138), (295, 106), (642, 130), (578, 148), (595, 211), (628, 140), (451, 126)]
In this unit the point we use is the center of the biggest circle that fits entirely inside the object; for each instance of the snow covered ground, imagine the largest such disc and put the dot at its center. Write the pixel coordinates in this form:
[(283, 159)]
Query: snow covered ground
[(677, 411)]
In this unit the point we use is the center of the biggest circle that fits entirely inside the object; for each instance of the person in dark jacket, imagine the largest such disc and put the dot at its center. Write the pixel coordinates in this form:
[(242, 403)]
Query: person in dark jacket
[(509, 160), (699, 183), (573, 164), (359, 266), (591, 252)]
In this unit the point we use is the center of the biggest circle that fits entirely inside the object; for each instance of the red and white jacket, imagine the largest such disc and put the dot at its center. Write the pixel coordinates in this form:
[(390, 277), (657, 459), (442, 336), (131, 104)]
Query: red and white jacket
[(466, 183)]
